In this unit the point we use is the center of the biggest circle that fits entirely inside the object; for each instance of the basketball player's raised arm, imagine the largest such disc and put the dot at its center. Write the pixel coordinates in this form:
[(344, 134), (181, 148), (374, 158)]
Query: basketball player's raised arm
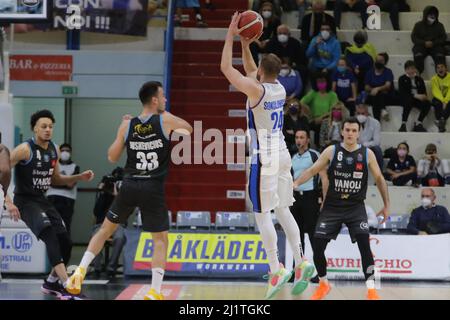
[(117, 147), (250, 86), (250, 67), (381, 185), (318, 166), (60, 180), (174, 123)]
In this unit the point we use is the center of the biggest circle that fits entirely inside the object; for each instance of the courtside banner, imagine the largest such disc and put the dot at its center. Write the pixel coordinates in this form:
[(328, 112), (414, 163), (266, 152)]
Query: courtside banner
[(202, 254), (396, 257), (40, 67)]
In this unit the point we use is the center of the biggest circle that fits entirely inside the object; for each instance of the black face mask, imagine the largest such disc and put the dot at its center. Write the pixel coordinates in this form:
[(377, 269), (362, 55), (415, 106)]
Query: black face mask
[(379, 65)]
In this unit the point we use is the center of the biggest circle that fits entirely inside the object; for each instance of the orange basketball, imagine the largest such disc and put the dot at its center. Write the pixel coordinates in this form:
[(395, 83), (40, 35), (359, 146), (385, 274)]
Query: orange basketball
[(252, 22)]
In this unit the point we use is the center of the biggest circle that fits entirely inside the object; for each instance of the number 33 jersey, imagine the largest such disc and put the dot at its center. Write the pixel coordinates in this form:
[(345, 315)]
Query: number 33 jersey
[(265, 120), (148, 148)]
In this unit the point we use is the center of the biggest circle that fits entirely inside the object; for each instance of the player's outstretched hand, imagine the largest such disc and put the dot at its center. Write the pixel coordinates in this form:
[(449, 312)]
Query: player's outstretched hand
[(87, 175), (385, 213), (246, 41), (127, 117), (234, 25)]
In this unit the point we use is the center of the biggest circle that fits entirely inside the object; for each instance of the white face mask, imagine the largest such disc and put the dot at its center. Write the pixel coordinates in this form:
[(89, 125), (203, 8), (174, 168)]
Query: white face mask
[(65, 156), (325, 34), (267, 14), (283, 38), (431, 20), (284, 72), (361, 118), (426, 202)]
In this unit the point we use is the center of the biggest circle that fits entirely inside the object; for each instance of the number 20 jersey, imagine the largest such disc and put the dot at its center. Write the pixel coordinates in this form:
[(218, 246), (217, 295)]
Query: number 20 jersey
[(148, 148), (265, 119)]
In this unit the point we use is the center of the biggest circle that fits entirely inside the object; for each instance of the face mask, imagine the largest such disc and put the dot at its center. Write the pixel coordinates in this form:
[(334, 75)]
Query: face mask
[(361, 118), (267, 14), (65, 156), (341, 69), (321, 85), (293, 110), (426, 202), (402, 153), (379, 65), (431, 19), (284, 72), (325, 34), (337, 115), (283, 38)]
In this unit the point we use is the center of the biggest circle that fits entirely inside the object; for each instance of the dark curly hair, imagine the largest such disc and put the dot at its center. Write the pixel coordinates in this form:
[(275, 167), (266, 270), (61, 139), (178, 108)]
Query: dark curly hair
[(41, 114)]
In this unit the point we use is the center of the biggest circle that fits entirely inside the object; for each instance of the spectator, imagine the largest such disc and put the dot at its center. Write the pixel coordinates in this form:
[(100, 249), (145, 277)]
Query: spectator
[(302, 5), (290, 79), (440, 87), (191, 4), (319, 102), (370, 135), (106, 192), (63, 197), (432, 171), (294, 119), (285, 46), (271, 23), (359, 6), (360, 57), (312, 22), (344, 84), (429, 38), (401, 168), (380, 86), (391, 6), (334, 126), (257, 5), (413, 93), (429, 218), (324, 51), (307, 196)]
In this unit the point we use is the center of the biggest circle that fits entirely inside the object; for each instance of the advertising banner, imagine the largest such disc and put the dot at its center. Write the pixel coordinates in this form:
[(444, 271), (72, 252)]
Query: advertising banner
[(41, 67)]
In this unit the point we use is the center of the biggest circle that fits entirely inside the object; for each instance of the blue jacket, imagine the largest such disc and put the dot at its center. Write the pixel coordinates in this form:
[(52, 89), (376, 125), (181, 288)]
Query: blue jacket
[(326, 54), (421, 216)]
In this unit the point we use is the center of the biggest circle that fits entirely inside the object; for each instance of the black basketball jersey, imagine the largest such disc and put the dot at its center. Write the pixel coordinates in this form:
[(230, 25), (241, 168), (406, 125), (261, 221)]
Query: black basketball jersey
[(347, 174), (34, 177), (148, 148)]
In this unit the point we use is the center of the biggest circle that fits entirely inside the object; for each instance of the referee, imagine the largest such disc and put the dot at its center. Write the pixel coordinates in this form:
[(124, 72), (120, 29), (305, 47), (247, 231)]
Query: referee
[(306, 207)]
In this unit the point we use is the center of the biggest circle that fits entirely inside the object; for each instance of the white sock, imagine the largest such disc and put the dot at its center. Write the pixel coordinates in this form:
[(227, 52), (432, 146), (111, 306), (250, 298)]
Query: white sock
[(269, 239), (157, 278), (292, 231), (52, 279), (323, 279), (370, 284), (87, 259)]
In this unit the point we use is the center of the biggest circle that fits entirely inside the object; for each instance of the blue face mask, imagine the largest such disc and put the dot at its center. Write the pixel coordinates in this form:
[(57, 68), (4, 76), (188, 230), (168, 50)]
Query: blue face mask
[(341, 69)]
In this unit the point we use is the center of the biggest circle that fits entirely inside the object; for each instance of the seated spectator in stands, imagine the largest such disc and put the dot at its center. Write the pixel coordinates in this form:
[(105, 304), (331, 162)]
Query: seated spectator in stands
[(257, 4), (370, 133), (429, 38), (380, 87), (440, 87), (191, 4), (359, 6), (413, 93), (302, 5), (290, 79), (285, 46), (360, 57), (319, 102), (330, 132), (391, 6), (324, 51), (429, 218), (344, 84), (432, 171), (401, 168), (312, 22), (294, 119), (271, 23)]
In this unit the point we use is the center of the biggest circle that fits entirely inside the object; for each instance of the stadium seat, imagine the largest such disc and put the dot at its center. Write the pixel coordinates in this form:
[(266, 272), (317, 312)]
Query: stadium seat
[(193, 220), (232, 221)]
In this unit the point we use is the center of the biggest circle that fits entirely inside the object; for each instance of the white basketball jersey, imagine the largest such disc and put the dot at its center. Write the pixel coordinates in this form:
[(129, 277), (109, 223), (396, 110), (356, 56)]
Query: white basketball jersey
[(265, 120)]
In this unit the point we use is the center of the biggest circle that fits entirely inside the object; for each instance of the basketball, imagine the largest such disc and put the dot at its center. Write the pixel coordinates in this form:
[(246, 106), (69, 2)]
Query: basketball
[(252, 22)]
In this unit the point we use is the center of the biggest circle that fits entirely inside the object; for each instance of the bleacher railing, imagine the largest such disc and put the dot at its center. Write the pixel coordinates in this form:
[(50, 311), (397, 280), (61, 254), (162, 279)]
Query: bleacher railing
[(168, 47)]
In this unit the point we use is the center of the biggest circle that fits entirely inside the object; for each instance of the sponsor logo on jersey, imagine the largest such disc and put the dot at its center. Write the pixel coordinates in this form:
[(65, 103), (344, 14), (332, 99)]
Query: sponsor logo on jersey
[(142, 130), (54, 164), (46, 158), (345, 196), (364, 226), (349, 160), (359, 166), (359, 157), (357, 175)]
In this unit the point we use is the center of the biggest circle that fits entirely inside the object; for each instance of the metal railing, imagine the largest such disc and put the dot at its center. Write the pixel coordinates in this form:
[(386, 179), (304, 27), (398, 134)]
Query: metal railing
[(168, 47)]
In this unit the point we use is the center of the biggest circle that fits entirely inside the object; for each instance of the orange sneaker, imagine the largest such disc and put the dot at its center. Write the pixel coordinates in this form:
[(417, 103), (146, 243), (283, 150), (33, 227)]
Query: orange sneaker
[(372, 294), (322, 290)]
